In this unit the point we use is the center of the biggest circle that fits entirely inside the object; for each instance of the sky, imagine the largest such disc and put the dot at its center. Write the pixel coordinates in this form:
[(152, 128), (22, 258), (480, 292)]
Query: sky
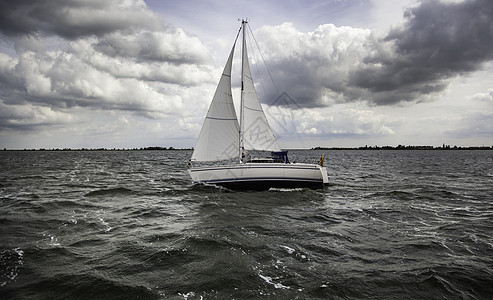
[(132, 74)]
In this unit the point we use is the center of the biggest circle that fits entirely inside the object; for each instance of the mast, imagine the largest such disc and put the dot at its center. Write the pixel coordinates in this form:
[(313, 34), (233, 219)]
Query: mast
[(243, 25)]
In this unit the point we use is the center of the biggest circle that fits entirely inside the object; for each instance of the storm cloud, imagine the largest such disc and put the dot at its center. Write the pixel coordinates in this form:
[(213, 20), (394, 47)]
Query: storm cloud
[(74, 18), (412, 62), (314, 67), (438, 41)]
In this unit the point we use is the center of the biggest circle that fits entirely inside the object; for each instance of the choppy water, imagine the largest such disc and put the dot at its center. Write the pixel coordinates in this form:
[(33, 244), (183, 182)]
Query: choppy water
[(129, 225)]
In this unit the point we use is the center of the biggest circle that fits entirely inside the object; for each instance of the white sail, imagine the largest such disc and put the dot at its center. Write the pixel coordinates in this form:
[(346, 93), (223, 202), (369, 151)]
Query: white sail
[(257, 134), (219, 137)]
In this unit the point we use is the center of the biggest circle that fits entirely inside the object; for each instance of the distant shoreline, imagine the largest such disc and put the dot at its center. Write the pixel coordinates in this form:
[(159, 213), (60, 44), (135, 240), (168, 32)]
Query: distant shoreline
[(401, 147), (99, 149), (365, 148)]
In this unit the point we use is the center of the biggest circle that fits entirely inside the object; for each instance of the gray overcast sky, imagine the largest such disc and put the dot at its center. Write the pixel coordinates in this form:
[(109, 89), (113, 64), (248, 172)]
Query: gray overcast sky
[(131, 73)]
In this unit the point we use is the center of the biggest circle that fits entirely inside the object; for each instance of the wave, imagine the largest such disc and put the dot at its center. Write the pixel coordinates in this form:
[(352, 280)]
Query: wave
[(11, 261), (110, 192), (85, 286)]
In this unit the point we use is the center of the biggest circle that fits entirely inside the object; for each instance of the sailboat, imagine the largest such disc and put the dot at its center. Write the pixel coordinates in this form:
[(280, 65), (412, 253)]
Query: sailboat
[(225, 138)]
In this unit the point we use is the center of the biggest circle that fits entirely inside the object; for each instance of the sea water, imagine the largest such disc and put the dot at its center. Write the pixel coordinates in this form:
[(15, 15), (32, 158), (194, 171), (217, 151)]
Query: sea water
[(130, 225)]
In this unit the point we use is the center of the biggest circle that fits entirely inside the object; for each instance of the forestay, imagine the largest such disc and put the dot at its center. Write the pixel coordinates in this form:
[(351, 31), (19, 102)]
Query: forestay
[(257, 134)]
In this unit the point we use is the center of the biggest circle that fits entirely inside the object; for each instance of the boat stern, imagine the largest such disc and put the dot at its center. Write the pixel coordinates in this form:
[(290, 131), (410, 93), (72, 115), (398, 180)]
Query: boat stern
[(325, 176)]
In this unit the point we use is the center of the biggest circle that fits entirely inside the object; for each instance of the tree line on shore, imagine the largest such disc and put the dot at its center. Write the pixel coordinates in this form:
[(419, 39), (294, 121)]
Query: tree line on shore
[(408, 147), (158, 148), (102, 149)]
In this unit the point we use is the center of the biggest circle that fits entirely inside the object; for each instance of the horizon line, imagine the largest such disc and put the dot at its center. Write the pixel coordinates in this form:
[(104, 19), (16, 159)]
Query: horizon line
[(366, 147)]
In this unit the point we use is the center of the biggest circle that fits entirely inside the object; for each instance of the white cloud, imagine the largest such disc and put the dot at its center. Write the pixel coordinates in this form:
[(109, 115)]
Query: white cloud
[(314, 67), (295, 128), (28, 116), (486, 97)]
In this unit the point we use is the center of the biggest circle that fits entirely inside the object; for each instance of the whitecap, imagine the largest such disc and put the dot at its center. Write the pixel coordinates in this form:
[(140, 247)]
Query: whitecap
[(54, 241), (288, 249), (269, 280), (285, 189), (189, 294)]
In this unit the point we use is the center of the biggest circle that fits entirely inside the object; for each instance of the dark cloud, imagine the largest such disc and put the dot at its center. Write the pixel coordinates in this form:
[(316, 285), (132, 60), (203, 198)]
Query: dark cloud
[(306, 91), (28, 117), (439, 41), (312, 67), (72, 19), (171, 45)]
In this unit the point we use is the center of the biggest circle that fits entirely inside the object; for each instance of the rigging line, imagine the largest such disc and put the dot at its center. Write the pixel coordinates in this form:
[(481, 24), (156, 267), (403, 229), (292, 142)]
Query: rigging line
[(292, 121), (261, 82), (237, 35), (263, 59), (254, 54)]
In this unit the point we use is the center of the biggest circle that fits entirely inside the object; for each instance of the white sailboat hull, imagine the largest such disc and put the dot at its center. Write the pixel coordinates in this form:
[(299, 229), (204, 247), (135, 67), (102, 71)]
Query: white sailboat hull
[(262, 176)]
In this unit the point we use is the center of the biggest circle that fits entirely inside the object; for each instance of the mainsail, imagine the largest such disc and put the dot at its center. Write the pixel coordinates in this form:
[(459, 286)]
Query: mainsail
[(257, 134), (219, 137)]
